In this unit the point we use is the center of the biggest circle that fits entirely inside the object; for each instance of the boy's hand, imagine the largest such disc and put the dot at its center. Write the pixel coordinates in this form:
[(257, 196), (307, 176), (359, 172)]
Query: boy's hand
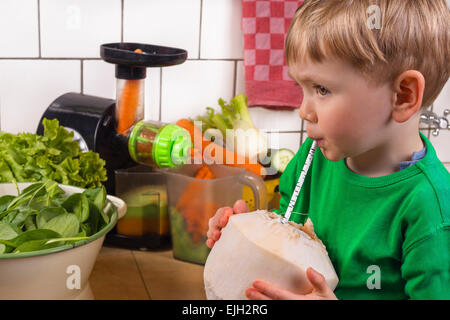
[(264, 291), (220, 220)]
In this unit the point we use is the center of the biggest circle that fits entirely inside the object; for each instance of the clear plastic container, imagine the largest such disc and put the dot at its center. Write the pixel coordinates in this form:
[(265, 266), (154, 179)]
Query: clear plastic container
[(146, 222), (193, 201)]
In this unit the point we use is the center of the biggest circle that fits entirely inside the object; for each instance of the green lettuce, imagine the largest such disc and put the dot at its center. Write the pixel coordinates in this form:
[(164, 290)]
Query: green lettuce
[(27, 157)]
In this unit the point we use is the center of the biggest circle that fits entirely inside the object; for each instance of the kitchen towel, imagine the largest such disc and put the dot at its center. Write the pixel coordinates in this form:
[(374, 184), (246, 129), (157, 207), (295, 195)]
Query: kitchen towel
[(265, 25)]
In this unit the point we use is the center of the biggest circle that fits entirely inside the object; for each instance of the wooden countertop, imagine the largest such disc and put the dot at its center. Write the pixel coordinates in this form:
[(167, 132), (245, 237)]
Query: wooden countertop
[(133, 274)]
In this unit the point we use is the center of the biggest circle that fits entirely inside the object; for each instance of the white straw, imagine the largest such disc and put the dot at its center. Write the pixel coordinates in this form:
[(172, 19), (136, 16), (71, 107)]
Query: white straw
[(301, 179)]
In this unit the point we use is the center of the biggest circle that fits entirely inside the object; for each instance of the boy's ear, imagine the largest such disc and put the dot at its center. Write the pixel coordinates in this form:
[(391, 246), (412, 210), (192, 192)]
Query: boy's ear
[(408, 95)]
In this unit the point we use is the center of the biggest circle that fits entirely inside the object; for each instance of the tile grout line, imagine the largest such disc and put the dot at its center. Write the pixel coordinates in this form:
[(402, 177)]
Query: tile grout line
[(234, 79), (200, 30), (141, 276), (81, 76), (160, 94), (39, 27), (301, 134), (281, 131), (429, 126), (50, 58), (99, 59), (121, 20)]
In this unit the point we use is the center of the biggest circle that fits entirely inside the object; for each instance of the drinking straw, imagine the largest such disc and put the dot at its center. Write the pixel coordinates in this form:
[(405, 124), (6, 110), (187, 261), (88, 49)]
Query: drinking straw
[(298, 187)]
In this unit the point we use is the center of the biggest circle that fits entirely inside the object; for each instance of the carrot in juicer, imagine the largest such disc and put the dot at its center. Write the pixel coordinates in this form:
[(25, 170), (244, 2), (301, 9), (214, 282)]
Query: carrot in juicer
[(129, 103), (236, 159)]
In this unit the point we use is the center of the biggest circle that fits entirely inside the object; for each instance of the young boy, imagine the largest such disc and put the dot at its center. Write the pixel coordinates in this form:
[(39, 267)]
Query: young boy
[(377, 194)]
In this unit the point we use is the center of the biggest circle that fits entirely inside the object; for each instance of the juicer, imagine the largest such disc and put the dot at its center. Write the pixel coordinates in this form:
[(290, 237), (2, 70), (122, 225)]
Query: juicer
[(101, 124), (105, 125)]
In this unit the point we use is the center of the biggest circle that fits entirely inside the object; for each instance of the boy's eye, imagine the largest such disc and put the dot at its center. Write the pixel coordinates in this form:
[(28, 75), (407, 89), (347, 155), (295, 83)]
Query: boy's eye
[(321, 91)]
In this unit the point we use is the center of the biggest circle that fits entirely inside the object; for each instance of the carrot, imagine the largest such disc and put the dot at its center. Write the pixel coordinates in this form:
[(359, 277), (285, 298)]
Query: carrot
[(193, 207), (189, 126), (129, 103), (197, 217), (195, 188), (237, 160), (204, 173)]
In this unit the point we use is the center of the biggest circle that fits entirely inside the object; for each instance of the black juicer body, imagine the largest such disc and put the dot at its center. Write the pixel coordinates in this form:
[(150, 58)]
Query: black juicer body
[(92, 119)]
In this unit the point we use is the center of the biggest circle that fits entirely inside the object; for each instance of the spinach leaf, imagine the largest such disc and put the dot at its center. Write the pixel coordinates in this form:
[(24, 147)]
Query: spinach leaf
[(27, 194), (7, 232), (42, 217), (87, 229), (30, 223), (34, 245), (5, 201), (97, 196), (95, 221), (19, 218), (78, 204), (10, 215), (38, 234), (66, 224), (42, 244), (46, 214)]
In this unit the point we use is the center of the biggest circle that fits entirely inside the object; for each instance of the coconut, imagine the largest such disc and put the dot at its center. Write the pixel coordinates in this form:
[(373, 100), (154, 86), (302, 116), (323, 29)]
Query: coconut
[(257, 246)]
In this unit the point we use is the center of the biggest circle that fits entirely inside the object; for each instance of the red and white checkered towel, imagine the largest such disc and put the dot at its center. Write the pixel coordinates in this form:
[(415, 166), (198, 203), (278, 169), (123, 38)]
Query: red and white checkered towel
[(265, 24)]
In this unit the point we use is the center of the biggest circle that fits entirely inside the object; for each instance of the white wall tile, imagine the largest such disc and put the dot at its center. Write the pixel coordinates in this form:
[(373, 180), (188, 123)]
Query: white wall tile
[(99, 80), (442, 145), (187, 89), (152, 93), (240, 84), (173, 23), (284, 140), (77, 28), (442, 142), (447, 165), (221, 35), (19, 28), (273, 120), (442, 102), (28, 87), (304, 136)]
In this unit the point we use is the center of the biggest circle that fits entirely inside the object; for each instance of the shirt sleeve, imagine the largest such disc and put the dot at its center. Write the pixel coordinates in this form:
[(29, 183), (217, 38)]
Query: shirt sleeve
[(426, 266)]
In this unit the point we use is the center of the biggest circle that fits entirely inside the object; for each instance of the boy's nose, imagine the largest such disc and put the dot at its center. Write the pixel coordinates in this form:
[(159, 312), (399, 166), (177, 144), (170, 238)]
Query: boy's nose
[(307, 113)]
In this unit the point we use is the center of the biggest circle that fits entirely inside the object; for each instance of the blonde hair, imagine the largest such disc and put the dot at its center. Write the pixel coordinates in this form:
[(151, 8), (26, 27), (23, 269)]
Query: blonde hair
[(414, 34)]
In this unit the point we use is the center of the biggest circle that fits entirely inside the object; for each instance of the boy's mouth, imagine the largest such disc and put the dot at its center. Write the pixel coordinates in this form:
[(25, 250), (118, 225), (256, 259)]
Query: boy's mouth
[(318, 140)]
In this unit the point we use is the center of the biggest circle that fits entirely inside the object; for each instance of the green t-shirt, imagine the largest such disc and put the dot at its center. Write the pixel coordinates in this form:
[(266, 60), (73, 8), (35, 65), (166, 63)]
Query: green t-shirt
[(388, 237)]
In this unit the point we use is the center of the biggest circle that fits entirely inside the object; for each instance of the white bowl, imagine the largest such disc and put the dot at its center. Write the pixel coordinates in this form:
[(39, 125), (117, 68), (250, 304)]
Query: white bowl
[(54, 273)]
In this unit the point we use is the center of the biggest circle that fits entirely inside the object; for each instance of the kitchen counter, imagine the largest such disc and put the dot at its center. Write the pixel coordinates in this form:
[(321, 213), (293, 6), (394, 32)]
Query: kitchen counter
[(133, 274)]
